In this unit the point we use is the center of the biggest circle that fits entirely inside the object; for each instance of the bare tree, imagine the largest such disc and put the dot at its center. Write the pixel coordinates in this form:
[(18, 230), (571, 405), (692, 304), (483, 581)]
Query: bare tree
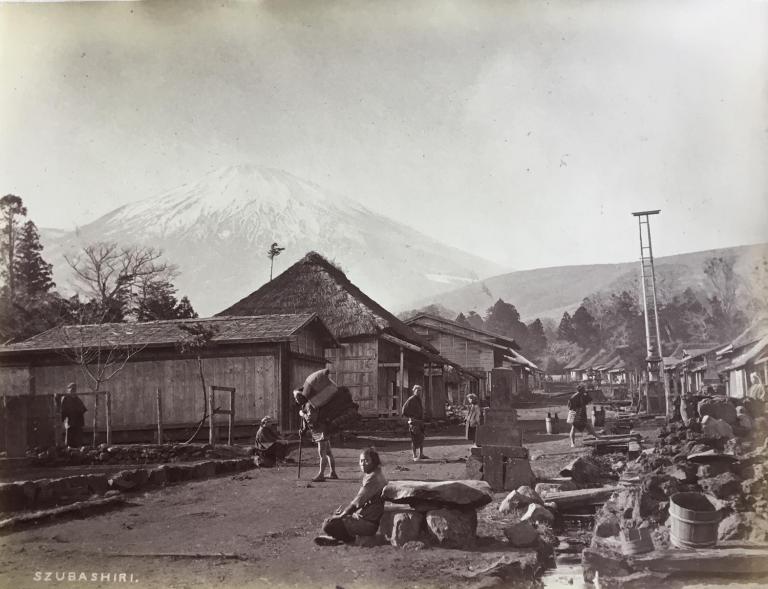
[(115, 276), (99, 351), (274, 251), (197, 338)]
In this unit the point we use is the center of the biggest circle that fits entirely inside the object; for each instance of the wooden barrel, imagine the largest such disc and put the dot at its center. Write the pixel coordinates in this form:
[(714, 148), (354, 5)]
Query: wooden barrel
[(694, 521)]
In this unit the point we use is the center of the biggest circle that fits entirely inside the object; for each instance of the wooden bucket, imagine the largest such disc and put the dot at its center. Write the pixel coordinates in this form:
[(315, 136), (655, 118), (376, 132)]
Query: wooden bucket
[(694, 521)]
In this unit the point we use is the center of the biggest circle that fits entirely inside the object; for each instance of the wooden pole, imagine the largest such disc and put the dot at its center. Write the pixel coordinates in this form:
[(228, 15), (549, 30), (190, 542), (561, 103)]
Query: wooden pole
[(402, 378), (159, 399), (95, 416), (211, 437), (109, 418), (231, 417), (431, 390), (56, 422)]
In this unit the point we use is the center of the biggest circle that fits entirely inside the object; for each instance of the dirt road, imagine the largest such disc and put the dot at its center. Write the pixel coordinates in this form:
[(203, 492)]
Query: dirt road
[(256, 529)]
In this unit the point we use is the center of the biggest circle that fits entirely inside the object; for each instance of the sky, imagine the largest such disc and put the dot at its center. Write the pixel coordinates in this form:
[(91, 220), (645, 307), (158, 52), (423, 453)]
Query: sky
[(525, 132)]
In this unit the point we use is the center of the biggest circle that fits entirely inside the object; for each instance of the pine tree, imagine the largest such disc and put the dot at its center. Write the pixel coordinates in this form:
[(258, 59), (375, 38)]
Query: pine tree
[(503, 318), (11, 206), (475, 320), (184, 309), (461, 319), (537, 341), (32, 273), (565, 330), (585, 328)]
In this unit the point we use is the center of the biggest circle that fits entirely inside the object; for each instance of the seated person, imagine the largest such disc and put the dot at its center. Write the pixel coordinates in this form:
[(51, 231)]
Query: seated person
[(361, 517), (269, 442)]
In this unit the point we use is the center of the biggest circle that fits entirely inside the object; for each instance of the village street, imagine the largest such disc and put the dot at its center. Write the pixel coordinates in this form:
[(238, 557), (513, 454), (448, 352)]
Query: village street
[(256, 528)]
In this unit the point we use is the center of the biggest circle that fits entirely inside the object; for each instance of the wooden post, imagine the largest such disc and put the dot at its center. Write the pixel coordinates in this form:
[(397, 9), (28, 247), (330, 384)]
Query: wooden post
[(109, 418), (56, 422), (231, 417), (95, 416), (402, 379), (159, 399), (431, 390), (211, 437)]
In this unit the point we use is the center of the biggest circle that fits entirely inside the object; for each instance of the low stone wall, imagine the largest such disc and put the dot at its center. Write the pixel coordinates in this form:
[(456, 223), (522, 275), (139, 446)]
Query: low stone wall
[(130, 454), (42, 493)]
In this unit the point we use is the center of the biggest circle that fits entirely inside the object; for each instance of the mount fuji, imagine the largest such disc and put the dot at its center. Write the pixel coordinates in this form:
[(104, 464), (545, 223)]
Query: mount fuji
[(218, 230)]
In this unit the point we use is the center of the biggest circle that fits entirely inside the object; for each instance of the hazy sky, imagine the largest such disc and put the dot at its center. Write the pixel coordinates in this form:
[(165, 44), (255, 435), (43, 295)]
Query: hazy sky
[(523, 131)]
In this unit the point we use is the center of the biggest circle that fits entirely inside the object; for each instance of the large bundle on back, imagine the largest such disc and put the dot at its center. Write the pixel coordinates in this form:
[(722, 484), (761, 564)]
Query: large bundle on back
[(336, 408)]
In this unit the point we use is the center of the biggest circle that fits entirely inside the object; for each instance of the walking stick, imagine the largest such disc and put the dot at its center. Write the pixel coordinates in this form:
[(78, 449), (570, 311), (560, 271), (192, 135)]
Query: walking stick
[(301, 439)]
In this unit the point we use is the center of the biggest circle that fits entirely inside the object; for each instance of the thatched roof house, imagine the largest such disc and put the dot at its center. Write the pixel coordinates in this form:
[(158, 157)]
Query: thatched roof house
[(380, 357)]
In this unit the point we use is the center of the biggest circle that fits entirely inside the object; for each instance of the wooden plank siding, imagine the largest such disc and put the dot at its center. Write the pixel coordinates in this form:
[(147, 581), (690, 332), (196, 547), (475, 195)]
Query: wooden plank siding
[(133, 389), (355, 366)]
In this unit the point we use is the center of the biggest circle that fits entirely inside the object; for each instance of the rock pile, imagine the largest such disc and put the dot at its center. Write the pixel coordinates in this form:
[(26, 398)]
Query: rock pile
[(443, 513), (731, 473)]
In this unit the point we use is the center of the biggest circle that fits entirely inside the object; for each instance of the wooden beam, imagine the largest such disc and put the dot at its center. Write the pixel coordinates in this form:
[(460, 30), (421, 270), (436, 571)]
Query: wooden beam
[(579, 497)]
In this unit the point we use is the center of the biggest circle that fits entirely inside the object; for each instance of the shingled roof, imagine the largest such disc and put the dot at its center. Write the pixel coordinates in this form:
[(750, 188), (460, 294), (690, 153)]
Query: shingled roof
[(313, 284), (256, 329)]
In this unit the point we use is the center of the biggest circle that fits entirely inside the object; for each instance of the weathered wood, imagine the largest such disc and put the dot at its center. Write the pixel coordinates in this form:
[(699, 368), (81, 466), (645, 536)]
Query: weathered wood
[(737, 560), (78, 507), (159, 405), (108, 413), (566, 499)]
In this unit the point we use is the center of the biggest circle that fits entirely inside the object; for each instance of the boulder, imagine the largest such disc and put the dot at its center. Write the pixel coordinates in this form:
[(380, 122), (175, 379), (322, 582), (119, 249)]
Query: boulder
[(521, 497), (719, 409), (453, 528), (406, 527), (734, 527), (521, 534), (607, 526), (682, 472), (538, 514), (98, 484), (462, 494), (722, 486), (582, 470)]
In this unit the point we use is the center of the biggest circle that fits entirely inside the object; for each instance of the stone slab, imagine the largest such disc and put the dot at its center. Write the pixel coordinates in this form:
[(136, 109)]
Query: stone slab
[(462, 494)]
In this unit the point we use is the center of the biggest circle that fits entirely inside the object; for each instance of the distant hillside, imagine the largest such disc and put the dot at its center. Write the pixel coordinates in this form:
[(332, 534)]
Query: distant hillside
[(548, 292)]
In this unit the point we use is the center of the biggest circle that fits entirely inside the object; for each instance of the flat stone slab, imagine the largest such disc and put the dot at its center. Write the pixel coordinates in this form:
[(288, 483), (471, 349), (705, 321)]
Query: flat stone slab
[(461, 494)]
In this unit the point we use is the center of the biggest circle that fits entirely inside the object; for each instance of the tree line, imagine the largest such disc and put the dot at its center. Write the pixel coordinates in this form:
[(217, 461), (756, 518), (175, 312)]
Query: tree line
[(716, 311), (114, 283)]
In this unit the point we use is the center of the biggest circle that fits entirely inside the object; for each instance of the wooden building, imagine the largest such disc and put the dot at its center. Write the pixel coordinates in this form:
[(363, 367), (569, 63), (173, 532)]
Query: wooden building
[(746, 355), (379, 358), (490, 361), (262, 357)]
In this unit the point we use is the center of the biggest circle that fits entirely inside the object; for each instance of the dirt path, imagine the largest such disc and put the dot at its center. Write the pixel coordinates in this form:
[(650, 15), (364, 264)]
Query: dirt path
[(255, 529)]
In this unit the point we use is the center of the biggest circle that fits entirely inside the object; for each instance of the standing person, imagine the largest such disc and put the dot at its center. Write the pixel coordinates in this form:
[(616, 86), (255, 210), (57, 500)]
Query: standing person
[(269, 441), (474, 416), (577, 414), (413, 409), (756, 389), (73, 416), (361, 517), (310, 420)]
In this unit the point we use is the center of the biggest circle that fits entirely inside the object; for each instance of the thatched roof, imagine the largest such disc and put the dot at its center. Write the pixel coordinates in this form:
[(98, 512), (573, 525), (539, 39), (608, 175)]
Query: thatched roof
[(313, 284), (258, 329)]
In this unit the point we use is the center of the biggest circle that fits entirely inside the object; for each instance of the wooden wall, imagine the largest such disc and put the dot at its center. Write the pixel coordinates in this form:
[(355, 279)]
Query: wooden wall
[(355, 365), (300, 369), (16, 381)]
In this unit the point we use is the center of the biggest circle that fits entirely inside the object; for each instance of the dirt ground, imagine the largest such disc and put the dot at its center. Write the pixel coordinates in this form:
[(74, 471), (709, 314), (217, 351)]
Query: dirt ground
[(256, 528)]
